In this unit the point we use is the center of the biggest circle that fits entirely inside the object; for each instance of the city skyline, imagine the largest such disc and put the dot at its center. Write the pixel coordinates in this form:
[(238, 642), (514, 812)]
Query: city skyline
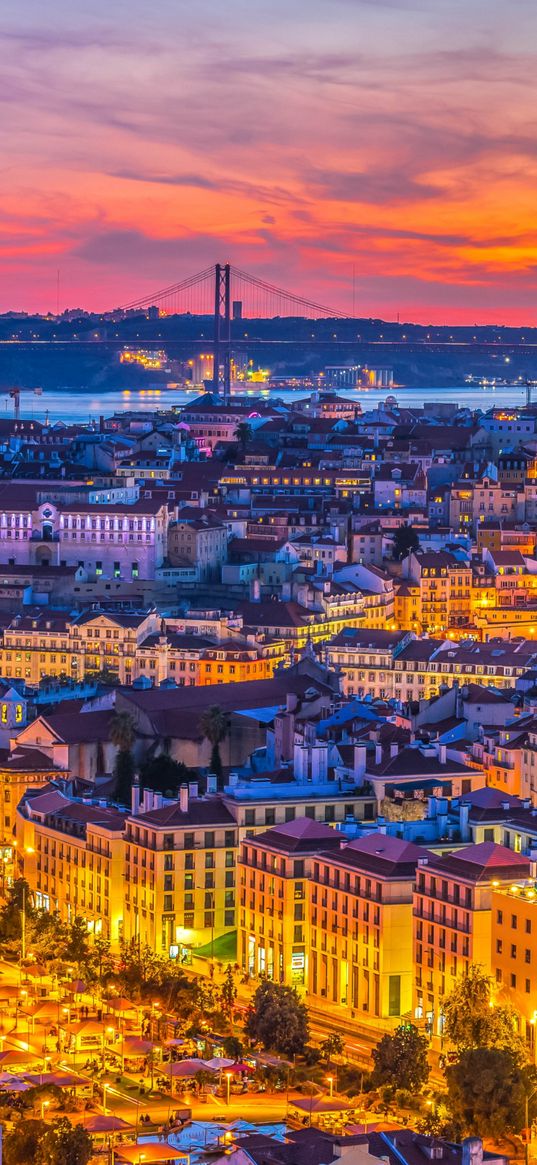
[(392, 138)]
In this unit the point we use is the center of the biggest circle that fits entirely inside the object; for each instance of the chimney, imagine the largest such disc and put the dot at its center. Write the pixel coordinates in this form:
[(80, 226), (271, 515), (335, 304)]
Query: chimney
[(442, 753), (212, 783), (301, 763), (183, 798), (193, 790), (135, 794), (394, 749), (378, 754), (319, 763), (291, 701), (472, 1151), (360, 761), (464, 815), (255, 591), (233, 780)]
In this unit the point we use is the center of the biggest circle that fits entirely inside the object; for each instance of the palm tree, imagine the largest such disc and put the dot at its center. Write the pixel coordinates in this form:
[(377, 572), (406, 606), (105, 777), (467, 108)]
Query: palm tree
[(122, 731), (243, 434), (215, 726), (122, 734)]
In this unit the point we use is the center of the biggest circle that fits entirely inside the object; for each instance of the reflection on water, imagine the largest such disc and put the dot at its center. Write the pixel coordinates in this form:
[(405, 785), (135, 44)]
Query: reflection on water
[(84, 407)]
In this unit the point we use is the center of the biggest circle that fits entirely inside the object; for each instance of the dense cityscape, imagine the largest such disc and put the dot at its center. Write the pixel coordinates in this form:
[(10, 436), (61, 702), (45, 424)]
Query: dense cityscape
[(268, 583), (268, 725)]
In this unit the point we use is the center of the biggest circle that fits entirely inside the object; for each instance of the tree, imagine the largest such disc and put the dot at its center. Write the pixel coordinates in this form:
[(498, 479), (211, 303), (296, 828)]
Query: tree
[(233, 1047), (405, 540), (333, 1045), (228, 993), (65, 1144), (77, 947), (278, 1019), (243, 434), (471, 1020), (24, 1143), (122, 734), (18, 901), (164, 775), (487, 1090), (401, 1059), (214, 725)]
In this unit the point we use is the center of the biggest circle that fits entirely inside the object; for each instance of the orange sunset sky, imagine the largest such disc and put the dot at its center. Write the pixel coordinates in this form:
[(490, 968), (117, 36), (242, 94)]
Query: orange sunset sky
[(142, 142)]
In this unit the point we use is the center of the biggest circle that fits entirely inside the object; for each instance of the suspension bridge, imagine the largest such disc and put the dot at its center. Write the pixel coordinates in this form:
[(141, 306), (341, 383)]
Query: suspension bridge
[(227, 293)]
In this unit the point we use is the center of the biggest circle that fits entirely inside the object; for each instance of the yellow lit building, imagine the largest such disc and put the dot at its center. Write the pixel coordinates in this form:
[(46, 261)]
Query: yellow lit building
[(273, 924), (179, 873), (71, 855), (514, 952), (453, 910), (361, 959)]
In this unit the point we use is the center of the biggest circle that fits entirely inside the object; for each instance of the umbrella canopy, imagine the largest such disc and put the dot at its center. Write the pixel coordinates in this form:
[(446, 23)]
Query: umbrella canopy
[(322, 1104), (121, 1004), (241, 1067), (135, 1046), (189, 1067), (16, 1085), (105, 1124), (174, 1043), (60, 1078), (147, 1153), (218, 1062), (77, 987), (14, 1057), (86, 1027), (45, 1008)]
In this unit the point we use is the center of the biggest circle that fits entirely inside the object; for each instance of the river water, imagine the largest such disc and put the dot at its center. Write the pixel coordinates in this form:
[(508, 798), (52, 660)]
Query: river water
[(83, 407)]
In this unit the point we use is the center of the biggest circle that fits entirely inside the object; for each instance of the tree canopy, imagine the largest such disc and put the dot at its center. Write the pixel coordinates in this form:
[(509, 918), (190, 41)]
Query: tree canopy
[(487, 1090), (472, 1020), (164, 775), (278, 1020), (58, 1143), (400, 1060), (405, 540), (215, 726)]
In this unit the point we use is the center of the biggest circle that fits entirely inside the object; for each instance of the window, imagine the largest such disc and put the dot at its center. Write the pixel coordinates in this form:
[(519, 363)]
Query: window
[(168, 842), (394, 995), (188, 841)]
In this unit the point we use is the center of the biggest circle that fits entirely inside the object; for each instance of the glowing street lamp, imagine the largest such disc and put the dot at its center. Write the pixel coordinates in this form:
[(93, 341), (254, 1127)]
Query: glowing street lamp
[(228, 1083), (330, 1082)]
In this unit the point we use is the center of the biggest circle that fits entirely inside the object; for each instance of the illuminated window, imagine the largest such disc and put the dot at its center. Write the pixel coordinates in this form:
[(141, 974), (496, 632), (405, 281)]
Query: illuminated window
[(18, 713), (4, 713)]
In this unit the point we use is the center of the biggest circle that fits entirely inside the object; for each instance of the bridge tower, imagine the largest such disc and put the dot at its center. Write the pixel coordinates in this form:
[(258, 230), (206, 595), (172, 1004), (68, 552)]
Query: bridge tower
[(222, 331)]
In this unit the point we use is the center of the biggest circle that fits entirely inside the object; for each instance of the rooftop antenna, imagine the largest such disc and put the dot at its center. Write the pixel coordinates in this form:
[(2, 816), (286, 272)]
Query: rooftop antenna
[(58, 291)]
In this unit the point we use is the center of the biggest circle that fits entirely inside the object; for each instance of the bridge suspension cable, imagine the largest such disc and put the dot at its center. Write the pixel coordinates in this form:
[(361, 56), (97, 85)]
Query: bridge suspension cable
[(171, 292), (282, 297), (258, 298)]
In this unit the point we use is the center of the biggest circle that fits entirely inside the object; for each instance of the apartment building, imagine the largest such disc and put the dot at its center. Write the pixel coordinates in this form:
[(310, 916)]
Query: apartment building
[(453, 904), (197, 537), (361, 904), (179, 872), (514, 952), (71, 855), (273, 924)]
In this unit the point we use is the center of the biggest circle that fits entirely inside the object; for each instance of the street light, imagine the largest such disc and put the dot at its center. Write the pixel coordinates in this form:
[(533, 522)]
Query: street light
[(330, 1082), (228, 1082), (44, 1105)]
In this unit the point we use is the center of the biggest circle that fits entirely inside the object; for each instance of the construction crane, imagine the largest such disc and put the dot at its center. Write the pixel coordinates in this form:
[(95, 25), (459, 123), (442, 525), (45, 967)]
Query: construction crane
[(15, 394)]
